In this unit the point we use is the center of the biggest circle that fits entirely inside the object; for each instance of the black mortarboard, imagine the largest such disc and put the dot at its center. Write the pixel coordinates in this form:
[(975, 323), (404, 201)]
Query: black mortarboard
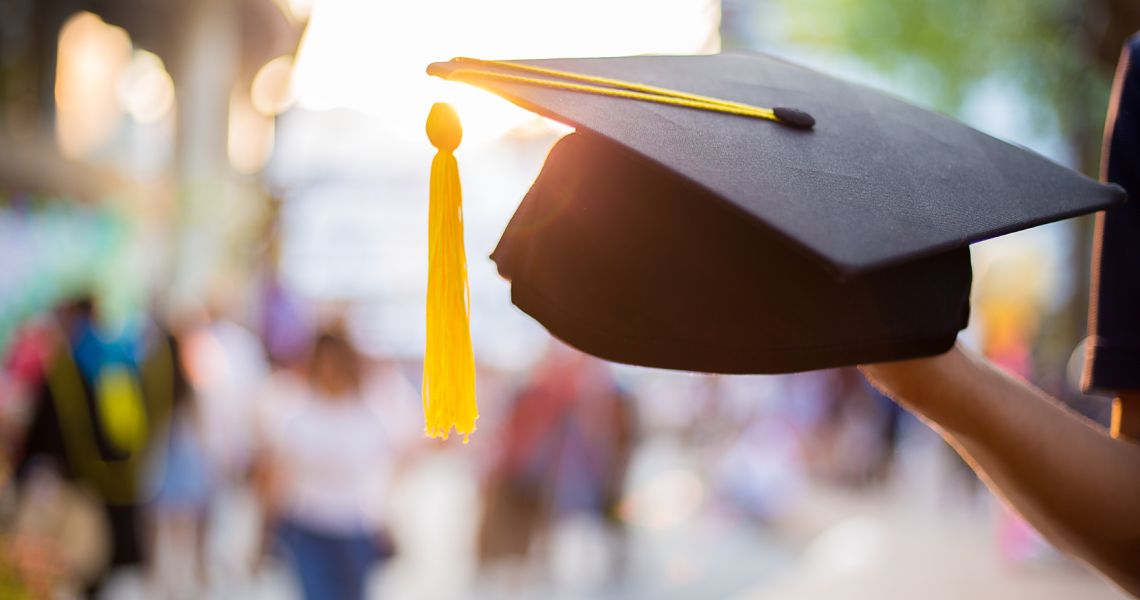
[(687, 238)]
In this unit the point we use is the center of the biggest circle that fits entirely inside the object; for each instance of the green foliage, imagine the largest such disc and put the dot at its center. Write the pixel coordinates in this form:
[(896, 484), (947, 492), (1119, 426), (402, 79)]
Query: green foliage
[(948, 46)]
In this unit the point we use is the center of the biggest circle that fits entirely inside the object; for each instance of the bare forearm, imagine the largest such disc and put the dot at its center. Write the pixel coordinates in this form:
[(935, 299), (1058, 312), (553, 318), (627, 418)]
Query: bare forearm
[(1076, 484)]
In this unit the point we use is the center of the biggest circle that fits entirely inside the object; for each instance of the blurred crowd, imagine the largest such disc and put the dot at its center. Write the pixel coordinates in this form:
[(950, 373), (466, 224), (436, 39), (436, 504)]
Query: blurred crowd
[(123, 446)]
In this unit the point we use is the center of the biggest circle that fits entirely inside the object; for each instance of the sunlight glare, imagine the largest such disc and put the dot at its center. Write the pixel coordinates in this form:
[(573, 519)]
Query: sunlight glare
[(90, 56), (145, 89), (272, 89), (250, 135), (372, 56)]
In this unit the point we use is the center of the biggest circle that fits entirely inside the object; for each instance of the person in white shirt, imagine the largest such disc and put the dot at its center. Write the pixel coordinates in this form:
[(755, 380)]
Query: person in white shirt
[(327, 461)]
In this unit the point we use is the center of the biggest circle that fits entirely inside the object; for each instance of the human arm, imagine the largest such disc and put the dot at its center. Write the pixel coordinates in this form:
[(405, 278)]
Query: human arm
[(1076, 483)]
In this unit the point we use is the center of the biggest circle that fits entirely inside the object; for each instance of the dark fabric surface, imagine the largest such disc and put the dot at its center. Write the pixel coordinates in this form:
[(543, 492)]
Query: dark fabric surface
[(877, 182), (1114, 319), (632, 263)]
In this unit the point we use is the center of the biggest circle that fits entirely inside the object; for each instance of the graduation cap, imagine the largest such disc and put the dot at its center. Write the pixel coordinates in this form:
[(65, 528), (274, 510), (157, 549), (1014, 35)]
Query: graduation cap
[(687, 225)]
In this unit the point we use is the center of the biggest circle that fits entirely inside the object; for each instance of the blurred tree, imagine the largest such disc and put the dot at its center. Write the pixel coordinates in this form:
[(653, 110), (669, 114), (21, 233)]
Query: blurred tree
[(1056, 51)]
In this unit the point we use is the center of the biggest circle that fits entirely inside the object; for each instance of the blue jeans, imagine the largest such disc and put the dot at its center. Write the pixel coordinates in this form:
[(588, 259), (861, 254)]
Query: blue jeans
[(330, 566)]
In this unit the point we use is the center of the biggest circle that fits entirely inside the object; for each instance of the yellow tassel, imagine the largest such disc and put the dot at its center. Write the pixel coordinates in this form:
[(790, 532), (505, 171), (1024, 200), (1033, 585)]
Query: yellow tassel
[(449, 365)]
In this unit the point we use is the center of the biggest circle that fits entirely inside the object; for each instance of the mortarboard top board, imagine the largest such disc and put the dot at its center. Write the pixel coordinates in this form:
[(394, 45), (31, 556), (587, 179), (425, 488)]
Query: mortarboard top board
[(689, 238)]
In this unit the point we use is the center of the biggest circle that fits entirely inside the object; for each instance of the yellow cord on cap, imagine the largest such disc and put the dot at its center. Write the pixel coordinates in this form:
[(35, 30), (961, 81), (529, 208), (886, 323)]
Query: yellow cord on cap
[(449, 364), (605, 86)]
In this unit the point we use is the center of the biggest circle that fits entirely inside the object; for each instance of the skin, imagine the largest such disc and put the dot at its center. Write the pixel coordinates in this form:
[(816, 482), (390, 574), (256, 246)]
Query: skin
[(1078, 484)]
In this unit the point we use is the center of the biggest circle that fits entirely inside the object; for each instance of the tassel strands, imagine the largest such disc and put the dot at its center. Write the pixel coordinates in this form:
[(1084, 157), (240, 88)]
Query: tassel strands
[(449, 364)]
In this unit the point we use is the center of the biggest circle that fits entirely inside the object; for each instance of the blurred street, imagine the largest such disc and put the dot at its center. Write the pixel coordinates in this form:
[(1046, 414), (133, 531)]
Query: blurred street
[(908, 540)]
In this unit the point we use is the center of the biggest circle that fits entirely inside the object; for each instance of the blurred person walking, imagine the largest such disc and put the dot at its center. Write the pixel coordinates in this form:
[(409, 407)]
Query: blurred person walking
[(102, 399), (324, 470), (182, 483), (567, 446)]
